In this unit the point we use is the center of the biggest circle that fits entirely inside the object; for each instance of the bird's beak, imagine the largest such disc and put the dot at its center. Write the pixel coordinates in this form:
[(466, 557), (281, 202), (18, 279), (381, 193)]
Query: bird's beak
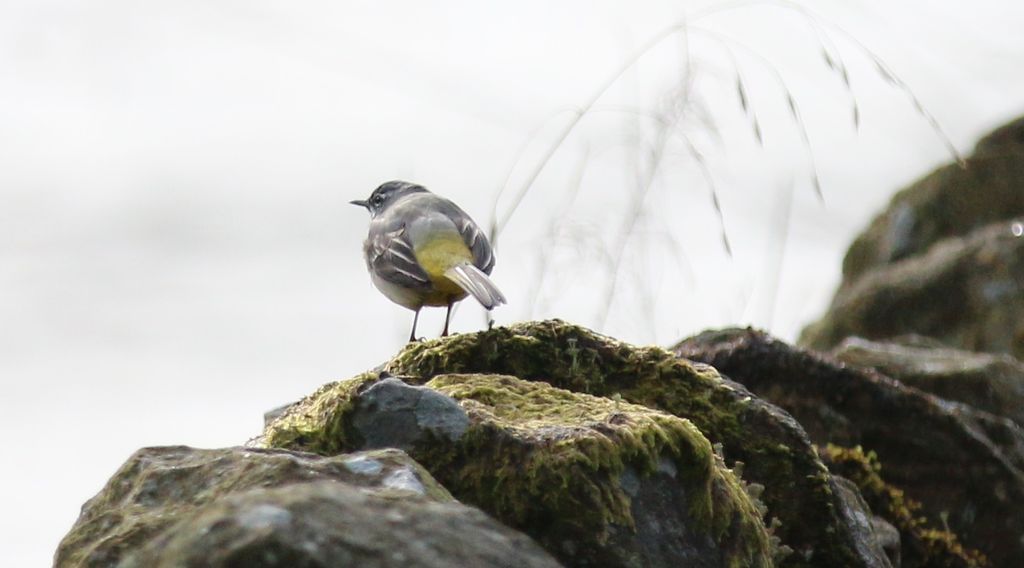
[(361, 203)]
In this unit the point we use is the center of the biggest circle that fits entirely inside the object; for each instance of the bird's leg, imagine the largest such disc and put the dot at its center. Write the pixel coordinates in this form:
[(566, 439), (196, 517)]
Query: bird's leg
[(447, 317), (416, 318)]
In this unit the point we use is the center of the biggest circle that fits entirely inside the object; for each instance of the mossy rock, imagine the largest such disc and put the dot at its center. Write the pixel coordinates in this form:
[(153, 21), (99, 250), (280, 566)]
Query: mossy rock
[(160, 486), (797, 488), (967, 292), (597, 482), (963, 465), (945, 259), (923, 543), (952, 201)]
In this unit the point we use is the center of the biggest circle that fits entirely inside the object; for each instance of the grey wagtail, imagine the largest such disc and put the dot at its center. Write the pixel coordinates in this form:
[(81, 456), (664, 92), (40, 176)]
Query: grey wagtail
[(422, 250)]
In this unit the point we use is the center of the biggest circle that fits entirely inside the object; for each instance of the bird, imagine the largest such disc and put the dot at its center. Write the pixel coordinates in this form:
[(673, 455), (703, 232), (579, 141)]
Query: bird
[(423, 250)]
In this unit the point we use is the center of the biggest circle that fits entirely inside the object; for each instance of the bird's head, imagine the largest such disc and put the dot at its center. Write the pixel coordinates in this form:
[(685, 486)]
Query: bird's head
[(386, 194)]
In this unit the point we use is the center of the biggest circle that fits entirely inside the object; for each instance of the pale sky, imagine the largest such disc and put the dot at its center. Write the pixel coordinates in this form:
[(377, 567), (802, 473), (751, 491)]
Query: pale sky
[(177, 252)]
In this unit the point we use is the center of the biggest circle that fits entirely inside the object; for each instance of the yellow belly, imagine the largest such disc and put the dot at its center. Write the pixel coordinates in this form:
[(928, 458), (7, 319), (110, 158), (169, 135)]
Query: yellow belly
[(436, 256)]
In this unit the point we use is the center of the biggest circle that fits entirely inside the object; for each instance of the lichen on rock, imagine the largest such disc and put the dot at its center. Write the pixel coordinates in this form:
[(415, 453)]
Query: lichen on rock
[(773, 449), (579, 473), (777, 457), (314, 424)]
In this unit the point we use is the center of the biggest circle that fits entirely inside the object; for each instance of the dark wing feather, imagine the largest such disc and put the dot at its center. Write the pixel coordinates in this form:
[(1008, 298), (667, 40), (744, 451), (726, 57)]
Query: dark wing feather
[(476, 240), (390, 256)]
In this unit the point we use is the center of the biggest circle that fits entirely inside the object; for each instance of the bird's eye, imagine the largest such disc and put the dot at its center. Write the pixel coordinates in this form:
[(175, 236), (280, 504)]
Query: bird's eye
[(377, 200)]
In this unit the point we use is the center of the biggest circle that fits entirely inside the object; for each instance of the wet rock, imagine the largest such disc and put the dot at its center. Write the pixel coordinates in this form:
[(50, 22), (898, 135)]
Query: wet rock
[(966, 292), (159, 486), (940, 453), (887, 536), (994, 383), (869, 542), (325, 523), (772, 449)]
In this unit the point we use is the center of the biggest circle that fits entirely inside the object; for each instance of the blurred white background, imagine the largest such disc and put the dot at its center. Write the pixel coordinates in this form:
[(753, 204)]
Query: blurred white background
[(177, 254)]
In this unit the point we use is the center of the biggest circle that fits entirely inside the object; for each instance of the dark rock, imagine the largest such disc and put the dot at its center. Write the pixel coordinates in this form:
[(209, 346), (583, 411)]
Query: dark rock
[(1008, 138), (994, 383), (966, 292), (776, 454), (887, 536), (392, 414), (940, 453), (597, 482), (157, 487), (858, 515), (661, 534), (325, 523)]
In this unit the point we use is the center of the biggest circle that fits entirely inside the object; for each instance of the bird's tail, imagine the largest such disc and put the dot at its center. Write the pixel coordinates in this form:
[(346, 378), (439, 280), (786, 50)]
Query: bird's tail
[(473, 280)]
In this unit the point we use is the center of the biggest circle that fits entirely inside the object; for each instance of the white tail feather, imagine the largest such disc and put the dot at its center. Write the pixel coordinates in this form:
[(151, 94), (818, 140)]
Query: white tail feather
[(474, 281)]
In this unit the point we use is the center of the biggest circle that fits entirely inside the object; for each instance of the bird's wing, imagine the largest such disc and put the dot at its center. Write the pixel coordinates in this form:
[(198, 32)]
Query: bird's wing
[(390, 256), (475, 239)]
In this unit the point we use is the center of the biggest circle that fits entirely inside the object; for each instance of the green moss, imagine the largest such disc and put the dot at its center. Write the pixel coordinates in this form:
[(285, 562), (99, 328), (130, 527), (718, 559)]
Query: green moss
[(549, 461), (922, 544), (777, 453), (579, 360), (573, 459), (317, 423)]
